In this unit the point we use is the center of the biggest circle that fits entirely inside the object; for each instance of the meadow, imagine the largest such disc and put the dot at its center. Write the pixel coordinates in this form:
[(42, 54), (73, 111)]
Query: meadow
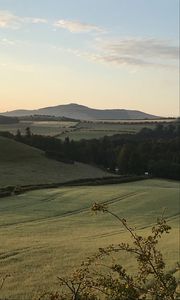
[(51, 128), (46, 233), (24, 165), (80, 129)]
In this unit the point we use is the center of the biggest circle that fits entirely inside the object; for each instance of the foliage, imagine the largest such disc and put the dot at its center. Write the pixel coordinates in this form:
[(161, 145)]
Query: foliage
[(154, 151), (151, 281), (45, 233), (8, 120), (149, 150)]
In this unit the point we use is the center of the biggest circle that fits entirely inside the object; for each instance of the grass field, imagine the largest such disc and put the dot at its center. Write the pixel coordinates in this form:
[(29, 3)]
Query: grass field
[(23, 165), (44, 233), (97, 129), (78, 130), (51, 128)]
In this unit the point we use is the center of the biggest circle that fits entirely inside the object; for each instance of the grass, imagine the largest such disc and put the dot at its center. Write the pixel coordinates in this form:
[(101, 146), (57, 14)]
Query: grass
[(91, 130), (78, 135), (21, 165), (45, 233), (81, 130), (76, 130), (51, 128)]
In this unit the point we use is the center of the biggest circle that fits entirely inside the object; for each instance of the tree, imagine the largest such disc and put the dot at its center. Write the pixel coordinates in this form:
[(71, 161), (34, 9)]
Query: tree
[(18, 135), (123, 158), (28, 132)]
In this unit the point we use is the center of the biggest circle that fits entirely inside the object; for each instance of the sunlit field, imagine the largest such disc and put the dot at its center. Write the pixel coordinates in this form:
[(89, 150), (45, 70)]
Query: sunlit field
[(46, 233), (80, 130), (24, 165)]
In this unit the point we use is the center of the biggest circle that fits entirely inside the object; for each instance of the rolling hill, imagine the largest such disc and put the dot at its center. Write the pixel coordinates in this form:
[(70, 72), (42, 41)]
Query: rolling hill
[(46, 233), (77, 111), (23, 165)]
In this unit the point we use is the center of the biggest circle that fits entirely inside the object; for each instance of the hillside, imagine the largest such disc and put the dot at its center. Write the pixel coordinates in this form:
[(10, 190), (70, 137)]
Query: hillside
[(46, 233), (76, 111), (8, 120), (22, 165)]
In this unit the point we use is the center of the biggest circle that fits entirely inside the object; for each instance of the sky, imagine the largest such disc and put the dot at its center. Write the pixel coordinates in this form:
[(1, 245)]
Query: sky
[(99, 53)]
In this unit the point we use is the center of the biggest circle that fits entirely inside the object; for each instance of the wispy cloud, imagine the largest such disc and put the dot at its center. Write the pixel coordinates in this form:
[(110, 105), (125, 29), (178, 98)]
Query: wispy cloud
[(135, 52), (10, 20), (76, 26), (7, 42), (140, 47), (36, 20)]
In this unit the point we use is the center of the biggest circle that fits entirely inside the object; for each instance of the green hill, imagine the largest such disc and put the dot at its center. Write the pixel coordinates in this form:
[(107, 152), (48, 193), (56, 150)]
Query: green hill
[(23, 165), (46, 233)]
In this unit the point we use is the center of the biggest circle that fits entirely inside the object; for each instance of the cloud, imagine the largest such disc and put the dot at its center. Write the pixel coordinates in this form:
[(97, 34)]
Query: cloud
[(141, 47), (7, 42), (76, 26), (133, 52), (9, 20), (37, 20)]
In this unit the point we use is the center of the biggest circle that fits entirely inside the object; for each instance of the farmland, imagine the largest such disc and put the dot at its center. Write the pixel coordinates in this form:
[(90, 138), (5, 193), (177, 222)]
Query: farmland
[(50, 128), (24, 165), (45, 233), (80, 129)]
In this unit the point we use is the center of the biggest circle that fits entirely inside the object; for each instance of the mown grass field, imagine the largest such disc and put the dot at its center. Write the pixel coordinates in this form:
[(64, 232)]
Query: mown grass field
[(24, 165), (46, 233)]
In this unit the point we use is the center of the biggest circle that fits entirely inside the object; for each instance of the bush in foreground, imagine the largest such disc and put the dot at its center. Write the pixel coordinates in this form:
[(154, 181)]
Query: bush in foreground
[(95, 281)]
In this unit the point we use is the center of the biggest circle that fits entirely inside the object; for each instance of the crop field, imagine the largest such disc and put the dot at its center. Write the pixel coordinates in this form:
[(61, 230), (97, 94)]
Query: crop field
[(51, 128), (97, 129), (23, 165), (87, 134), (79, 130), (46, 233)]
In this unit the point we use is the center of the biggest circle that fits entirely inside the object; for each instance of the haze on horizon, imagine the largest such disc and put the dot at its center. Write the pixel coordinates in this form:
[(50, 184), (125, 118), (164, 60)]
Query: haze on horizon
[(101, 54)]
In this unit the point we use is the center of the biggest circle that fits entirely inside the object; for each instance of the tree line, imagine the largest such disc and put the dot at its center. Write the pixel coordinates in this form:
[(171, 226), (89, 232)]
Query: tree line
[(8, 120), (152, 151)]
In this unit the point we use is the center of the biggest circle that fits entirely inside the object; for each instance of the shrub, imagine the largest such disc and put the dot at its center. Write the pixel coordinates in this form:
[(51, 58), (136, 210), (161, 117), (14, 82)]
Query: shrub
[(151, 281)]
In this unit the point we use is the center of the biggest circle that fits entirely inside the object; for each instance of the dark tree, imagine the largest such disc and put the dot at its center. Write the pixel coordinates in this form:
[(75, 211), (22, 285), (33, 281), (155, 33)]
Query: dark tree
[(28, 132)]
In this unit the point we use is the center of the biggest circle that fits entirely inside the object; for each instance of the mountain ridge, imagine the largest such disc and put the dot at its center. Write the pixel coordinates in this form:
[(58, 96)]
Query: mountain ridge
[(77, 111)]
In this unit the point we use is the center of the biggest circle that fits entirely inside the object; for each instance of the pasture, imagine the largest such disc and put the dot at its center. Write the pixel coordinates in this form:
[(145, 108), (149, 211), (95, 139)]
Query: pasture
[(24, 165), (80, 130), (46, 233), (97, 129), (51, 128)]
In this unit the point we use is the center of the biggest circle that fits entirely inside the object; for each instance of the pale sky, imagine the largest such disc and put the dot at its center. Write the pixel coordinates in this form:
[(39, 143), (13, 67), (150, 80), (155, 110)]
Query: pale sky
[(99, 53)]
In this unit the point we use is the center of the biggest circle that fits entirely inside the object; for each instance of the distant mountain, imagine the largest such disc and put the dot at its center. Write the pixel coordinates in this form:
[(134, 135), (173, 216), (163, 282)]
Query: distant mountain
[(81, 112)]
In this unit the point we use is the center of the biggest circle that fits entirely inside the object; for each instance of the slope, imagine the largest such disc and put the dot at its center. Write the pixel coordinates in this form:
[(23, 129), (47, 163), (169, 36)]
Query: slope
[(22, 165), (45, 233), (82, 112)]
